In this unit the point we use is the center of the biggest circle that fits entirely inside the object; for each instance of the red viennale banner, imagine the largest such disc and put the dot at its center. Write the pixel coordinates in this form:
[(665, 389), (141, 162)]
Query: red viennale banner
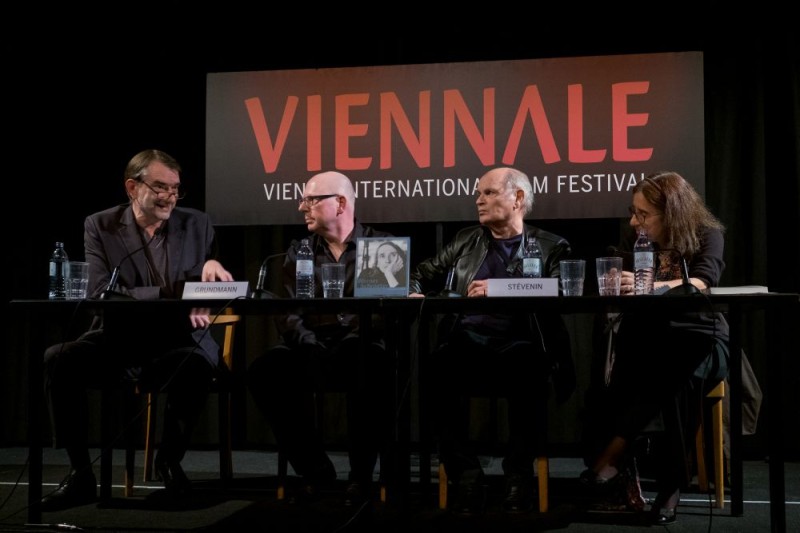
[(415, 139)]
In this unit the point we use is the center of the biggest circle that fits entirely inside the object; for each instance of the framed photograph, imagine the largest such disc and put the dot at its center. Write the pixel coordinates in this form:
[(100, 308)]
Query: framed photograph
[(382, 266)]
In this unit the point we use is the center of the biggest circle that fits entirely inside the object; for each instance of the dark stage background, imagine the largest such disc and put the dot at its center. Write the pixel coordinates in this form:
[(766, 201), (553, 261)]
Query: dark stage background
[(84, 92)]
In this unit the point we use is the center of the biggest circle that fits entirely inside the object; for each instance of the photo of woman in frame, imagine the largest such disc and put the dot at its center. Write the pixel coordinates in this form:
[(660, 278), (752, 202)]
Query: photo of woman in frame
[(383, 264)]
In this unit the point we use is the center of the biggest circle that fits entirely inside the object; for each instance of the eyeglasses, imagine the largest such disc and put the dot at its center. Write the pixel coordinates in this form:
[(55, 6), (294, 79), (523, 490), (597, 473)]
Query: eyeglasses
[(641, 216), (164, 191), (311, 201)]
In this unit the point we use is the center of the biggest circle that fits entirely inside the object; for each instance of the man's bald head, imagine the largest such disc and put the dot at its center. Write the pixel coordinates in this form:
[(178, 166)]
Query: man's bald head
[(331, 182)]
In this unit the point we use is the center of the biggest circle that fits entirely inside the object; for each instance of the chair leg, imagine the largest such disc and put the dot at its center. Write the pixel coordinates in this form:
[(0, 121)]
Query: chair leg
[(719, 455), (442, 487), (225, 437), (150, 437), (131, 403), (107, 440), (699, 443), (283, 469), (543, 476), (383, 489)]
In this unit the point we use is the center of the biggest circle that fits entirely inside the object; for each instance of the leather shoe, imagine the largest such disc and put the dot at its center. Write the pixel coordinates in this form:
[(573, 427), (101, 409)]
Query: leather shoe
[(664, 509), (619, 493), (79, 488), (471, 497), (356, 493), (174, 478), (665, 516), (308, 493), (519, 494), (471, 500)]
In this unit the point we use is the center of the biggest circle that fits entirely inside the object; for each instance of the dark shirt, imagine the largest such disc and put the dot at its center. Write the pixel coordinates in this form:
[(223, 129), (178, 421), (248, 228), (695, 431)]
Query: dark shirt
[(498, 257), (306, 327)]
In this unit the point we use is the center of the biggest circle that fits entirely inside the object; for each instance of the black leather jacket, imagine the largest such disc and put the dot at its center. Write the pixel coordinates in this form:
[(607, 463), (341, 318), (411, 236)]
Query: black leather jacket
[(466, 253)]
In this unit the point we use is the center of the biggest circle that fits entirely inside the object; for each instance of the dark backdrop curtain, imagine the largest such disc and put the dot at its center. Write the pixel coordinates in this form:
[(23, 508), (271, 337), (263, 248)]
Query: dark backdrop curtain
[(81, 106)]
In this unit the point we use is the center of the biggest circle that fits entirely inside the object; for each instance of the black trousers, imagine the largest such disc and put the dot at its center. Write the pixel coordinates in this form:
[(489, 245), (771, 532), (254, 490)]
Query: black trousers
[(653, 392), (95, 361), (468, 366), (283, 382)]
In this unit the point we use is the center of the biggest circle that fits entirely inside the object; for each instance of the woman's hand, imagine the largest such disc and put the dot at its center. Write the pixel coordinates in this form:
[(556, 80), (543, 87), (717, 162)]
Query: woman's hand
[(626, 283), (393, 266)]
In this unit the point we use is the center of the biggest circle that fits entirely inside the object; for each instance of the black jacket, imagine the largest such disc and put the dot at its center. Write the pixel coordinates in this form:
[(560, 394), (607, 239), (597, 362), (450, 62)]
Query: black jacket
[(307, 328), (465, 254)]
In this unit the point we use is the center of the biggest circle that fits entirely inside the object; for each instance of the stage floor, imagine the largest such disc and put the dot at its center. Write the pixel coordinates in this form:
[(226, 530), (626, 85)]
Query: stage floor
[(248, 502)]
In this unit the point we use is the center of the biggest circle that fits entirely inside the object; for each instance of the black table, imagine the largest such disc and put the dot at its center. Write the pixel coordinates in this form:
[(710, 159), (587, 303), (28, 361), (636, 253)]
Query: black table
[(26, 314), (783, 316), (782, 311)]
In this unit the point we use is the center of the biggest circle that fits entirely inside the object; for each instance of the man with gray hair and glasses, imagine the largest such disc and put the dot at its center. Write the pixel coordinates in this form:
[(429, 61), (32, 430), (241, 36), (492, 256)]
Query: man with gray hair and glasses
[(146, 248)]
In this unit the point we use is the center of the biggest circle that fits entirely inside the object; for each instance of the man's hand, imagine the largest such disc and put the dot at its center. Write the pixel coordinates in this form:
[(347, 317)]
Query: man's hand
[(214, 271), (478, 289), (200, 317)]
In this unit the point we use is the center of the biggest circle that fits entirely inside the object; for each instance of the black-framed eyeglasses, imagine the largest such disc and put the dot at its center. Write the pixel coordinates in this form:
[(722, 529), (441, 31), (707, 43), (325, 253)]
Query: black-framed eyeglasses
[(164, 191), (311, 201), (641, 216)]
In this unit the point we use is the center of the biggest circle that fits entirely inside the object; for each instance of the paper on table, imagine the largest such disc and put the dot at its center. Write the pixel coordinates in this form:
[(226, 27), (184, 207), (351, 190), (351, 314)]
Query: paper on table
[(741, 289)]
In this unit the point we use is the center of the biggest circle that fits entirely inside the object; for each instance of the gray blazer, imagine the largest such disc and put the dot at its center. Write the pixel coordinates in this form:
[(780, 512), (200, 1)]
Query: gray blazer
[(112, 239)]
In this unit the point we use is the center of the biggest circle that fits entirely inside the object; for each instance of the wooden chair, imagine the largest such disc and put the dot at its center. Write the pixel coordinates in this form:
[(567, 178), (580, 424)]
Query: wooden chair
[(319, 420), (716, 395), (228, 322), (542, 475), (541, 463)]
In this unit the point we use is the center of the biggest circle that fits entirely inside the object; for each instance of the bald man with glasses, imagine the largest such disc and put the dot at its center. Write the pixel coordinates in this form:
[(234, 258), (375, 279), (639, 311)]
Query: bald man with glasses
[(323, 350)]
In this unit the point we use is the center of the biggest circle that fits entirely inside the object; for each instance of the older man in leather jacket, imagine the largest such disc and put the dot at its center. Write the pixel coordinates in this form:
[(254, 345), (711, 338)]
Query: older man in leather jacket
[(507, 355)]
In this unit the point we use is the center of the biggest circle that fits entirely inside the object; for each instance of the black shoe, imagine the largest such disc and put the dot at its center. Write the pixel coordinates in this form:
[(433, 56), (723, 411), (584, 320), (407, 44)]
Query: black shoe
[(80, 488), (174, 478), (664, 509), (308, 493), (356, 493), (471, 496), (665, 517), (620, 493), (519, 494)]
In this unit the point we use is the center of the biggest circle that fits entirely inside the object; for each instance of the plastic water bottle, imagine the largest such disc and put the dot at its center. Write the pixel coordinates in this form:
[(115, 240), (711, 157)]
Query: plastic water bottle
[(304, 271), (643, 264), (532, 259), (58, 273)]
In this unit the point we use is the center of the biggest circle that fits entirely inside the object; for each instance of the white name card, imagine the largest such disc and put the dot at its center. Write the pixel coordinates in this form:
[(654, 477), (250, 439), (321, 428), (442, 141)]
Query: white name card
[(209, 290), (522, 287)]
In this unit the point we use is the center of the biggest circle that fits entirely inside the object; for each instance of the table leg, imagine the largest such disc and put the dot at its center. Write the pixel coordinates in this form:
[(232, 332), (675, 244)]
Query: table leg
[(35, 391)]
